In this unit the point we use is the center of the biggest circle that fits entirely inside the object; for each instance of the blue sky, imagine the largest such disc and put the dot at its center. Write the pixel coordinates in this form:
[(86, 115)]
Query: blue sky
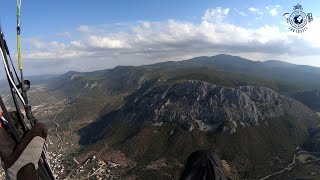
[(59, 36)]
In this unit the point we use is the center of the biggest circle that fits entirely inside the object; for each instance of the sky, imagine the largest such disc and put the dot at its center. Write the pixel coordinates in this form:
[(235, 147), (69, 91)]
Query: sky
[(59, 36)]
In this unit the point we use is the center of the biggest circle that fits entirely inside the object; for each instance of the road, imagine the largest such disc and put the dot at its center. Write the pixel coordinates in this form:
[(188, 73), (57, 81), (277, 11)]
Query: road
[(57, 127), (288, 168)]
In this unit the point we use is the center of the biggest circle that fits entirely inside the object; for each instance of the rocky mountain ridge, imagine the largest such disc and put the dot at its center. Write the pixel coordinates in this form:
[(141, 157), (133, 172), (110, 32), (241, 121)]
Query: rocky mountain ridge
[(204, 106), (221, 108)]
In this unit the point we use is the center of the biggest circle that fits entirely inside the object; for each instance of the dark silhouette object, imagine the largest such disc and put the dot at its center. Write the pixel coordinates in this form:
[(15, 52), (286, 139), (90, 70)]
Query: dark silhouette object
[(203, 165)]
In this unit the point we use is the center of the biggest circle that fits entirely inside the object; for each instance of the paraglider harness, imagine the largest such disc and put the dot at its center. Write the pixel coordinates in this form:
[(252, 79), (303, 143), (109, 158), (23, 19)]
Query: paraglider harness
[(16, 127)]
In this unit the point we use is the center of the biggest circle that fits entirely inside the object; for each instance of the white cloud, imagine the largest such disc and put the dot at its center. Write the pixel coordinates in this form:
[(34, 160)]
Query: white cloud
[(89, 29), (252, 9), (216, 15), (107, 42), (312, 35), (83, 28), (255, 10), (150, 42), (242, 13), (273, 10), (77, 44)]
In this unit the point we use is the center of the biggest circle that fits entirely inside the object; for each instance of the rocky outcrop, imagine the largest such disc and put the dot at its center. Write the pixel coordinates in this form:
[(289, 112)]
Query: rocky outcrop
[(219, 108)]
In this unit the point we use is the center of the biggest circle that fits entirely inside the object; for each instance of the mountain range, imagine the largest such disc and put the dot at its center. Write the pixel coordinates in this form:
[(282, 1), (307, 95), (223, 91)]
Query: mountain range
[(254, 114)]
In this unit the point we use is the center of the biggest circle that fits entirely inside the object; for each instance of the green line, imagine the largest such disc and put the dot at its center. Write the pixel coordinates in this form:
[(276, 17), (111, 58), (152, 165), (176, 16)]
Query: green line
[(18, 11), (19, 52)]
